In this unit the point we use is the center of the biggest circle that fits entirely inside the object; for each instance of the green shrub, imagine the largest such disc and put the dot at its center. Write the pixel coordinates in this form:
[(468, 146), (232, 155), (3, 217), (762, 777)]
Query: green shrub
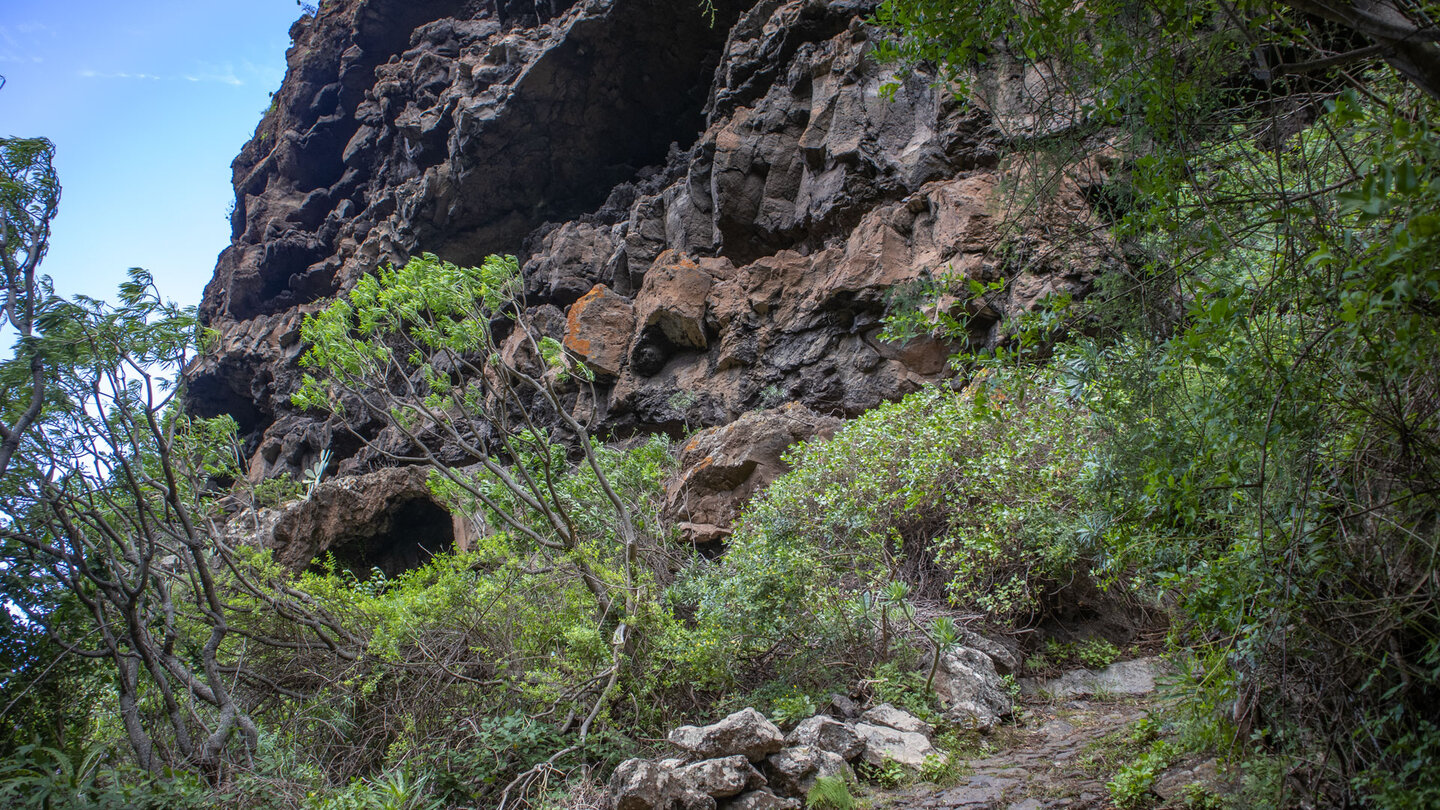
[(1097, 653), (90, 778), (976, 493), (1131, 786), (980, 486), (791, 709)]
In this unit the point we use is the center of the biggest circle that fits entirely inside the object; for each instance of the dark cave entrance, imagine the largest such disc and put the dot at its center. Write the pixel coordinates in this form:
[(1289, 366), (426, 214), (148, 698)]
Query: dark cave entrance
[(407, 537)]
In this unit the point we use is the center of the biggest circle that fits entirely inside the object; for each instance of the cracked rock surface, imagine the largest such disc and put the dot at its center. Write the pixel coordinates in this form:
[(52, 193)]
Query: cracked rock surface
[(738, 200)]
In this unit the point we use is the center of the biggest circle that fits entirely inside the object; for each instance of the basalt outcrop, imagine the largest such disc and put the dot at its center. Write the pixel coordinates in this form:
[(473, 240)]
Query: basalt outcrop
[(711, 215)]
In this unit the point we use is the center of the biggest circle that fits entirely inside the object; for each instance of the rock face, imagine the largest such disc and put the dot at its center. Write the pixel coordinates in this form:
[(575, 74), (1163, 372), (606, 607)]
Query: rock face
[(711, 217)]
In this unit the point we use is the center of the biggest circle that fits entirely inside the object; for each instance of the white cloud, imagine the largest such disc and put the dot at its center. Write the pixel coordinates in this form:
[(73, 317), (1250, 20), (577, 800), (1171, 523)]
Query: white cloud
[(224, 74), (95, 74), (205, 75)]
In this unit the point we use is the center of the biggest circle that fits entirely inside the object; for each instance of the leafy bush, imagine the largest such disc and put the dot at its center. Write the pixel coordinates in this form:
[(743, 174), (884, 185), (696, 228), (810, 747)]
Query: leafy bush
[(90, 778), (1097, 653), (786, 711), (973, 495)]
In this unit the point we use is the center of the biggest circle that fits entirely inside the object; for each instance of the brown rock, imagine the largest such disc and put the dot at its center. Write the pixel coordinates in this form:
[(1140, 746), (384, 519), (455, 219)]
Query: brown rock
[(720, 468), (386, 519), (759, 251), (673, 299), (598, 328)]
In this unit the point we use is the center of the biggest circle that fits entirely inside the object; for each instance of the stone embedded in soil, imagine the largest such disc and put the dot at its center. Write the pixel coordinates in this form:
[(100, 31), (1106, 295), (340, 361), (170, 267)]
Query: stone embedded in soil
[(883, 744), (1123, 678), (793, 771)]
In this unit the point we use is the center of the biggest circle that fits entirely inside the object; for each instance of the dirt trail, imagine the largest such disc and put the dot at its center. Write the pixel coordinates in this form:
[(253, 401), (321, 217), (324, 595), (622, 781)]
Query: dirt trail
[(1073, 733)]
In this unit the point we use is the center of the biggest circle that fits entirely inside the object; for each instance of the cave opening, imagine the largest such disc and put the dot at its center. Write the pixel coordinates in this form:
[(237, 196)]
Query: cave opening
[(406, 537)]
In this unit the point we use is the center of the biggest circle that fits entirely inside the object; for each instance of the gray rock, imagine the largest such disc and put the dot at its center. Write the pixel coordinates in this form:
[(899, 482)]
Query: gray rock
[(883, 743), (723, 777), (745, 732), (793, 771), (843, 706), (1121, 678), (971, 690), (827, 734), (1171, 785), (1003, 654), (762, 799), (898, 719), (640, 784)]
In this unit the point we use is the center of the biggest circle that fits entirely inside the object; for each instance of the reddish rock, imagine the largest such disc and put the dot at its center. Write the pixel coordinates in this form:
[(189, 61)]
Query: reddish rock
[(673, 299), (721, 468), (598, 328), (759, 252), (386, 519)]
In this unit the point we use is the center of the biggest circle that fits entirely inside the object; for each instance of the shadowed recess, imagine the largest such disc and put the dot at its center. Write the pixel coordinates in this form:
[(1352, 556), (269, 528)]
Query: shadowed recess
[(406, 537)]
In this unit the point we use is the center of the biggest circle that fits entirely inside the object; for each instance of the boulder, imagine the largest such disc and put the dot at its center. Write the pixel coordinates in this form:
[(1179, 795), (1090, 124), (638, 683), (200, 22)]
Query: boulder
[(723, 777), (762, 799), (1005, 655), (722, 467), (598, 328), (843, 706), (746, 733), (971, 690), (672, 299), (387, 519), (640, 784), (1135, 677), (884, 744), (827, 734), (898, 719), (793, 771)]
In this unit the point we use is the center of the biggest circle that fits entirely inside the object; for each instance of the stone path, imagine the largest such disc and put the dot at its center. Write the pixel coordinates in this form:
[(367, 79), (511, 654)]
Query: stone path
[(1056, 756), (1042, 765)]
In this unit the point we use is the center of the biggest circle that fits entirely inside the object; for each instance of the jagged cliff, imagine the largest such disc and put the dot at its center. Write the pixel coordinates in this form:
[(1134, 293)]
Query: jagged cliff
[(710, 215)]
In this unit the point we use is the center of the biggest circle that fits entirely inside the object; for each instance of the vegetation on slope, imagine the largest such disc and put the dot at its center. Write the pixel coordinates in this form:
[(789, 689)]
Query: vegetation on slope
[(1238, 431)]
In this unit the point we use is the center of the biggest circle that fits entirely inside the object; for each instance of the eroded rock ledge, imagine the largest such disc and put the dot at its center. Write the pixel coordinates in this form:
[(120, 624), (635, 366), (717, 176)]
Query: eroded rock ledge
[(712, 217)]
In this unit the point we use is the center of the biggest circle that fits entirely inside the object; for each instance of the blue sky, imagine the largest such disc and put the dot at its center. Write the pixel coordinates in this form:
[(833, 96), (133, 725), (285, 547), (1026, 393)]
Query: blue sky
[(147, 103)]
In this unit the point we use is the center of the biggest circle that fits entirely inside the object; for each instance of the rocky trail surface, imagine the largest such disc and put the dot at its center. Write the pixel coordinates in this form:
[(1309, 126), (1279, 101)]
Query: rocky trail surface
[(1050, 762), (1067, 737), (1070, 737)]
